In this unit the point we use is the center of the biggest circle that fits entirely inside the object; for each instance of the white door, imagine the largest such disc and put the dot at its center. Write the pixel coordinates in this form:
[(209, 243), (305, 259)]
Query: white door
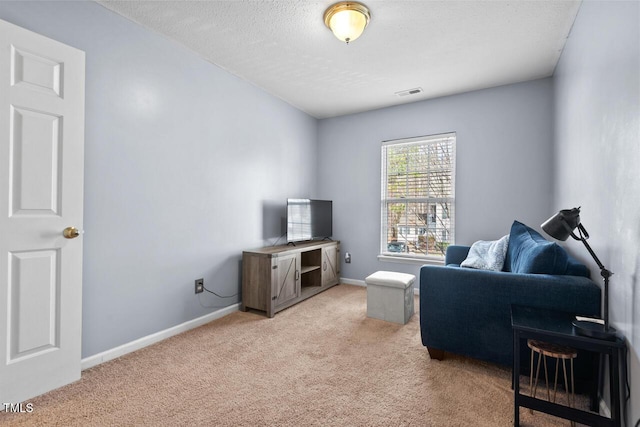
[(41, 185)]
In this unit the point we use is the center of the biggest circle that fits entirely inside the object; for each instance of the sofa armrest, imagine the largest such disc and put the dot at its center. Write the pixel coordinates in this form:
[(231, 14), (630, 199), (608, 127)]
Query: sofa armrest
[(467, 311), (456, 254)]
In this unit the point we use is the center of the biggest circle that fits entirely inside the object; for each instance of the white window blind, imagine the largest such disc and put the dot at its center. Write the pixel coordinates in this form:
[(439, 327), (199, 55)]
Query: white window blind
[(418, 196)]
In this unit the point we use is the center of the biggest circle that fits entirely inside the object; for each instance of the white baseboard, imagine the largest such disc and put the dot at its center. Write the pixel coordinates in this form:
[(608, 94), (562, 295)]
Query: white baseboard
[(352, 282), (114, 353), (357, 282)]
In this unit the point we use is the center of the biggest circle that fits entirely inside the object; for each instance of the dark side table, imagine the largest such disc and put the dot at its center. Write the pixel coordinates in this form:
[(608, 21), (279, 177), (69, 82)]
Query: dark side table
[(555, 327)]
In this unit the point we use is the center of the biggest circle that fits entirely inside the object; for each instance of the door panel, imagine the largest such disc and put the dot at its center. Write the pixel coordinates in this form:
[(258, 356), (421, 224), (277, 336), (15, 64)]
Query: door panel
[(33, 296), (329, 264), (41, 132), (34, 147), (286, 278), (37, 72)]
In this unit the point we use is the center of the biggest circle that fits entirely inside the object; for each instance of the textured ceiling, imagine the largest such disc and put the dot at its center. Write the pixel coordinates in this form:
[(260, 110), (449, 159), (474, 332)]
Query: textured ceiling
[(443, 47)]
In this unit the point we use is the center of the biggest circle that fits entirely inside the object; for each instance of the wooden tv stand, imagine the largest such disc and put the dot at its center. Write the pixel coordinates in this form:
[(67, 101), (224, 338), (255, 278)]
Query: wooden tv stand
[(277, 277)]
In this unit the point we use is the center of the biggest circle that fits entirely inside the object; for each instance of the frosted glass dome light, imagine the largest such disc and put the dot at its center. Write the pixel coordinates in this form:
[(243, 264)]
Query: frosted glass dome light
[(347, 20)]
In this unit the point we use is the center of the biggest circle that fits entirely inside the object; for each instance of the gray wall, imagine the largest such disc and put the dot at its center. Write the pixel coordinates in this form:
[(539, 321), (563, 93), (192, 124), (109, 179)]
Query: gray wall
[(597, 116), (504, 146), (186, 166)]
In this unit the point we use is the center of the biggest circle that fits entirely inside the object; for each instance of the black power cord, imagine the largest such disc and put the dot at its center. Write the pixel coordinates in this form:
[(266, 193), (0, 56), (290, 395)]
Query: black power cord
[(276, 243), (221, 296), (627, 388)]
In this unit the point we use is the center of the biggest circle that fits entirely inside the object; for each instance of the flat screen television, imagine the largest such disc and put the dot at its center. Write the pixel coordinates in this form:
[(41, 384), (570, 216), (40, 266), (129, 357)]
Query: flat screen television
[(309, 219)]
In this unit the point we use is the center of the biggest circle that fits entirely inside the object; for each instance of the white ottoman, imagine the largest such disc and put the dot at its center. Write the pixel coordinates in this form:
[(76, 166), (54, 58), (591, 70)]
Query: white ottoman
[(390, 296)]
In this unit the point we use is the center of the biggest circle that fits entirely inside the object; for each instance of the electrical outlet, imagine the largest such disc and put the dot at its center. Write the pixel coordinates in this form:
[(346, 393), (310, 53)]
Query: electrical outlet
[(199, 286)]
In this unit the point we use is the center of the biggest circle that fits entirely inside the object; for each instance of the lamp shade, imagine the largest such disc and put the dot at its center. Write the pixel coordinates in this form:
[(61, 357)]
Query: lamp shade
[(561, 225), (347, 20)]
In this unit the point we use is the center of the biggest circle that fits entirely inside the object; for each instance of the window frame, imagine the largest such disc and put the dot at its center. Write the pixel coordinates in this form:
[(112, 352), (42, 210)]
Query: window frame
[(410, 257)]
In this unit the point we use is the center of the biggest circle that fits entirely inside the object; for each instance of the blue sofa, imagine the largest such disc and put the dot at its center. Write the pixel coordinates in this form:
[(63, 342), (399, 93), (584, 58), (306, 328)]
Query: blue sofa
[(467, 311)]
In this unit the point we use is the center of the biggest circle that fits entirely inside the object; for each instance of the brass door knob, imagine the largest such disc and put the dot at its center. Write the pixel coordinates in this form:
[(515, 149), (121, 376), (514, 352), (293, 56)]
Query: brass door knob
[(70, 232)]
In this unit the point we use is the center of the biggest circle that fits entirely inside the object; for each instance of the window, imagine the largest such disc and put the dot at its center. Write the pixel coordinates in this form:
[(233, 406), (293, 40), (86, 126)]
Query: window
[(418, 196)]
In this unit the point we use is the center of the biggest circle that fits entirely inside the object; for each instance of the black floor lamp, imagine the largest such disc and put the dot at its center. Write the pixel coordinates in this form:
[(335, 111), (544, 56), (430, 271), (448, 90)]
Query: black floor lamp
[(560, 227)]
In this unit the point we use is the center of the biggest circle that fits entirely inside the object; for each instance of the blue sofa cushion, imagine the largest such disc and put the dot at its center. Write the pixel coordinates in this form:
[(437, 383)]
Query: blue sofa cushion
[(530, 253)]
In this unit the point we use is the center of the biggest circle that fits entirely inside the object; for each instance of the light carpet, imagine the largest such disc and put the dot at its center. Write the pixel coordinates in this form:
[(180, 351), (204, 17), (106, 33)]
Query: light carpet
[(319, 363)]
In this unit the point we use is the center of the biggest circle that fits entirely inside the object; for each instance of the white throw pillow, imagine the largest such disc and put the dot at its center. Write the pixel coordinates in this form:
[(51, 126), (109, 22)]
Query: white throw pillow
[(487, 255)]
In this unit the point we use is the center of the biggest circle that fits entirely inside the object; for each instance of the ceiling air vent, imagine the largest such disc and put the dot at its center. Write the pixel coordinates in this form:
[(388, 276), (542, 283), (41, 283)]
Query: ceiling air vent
[(408, 92)]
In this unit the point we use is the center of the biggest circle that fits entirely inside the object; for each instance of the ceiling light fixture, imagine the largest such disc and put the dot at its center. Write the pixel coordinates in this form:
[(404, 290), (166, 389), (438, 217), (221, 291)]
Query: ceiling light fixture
[(347, 20)]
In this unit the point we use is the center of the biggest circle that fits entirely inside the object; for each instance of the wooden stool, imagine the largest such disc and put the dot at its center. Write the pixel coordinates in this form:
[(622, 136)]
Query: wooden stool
[(558, 352)]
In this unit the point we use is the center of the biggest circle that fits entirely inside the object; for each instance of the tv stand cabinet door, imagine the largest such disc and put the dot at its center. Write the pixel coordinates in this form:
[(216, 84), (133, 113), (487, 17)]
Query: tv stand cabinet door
[(285, 283), (330, 264)]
